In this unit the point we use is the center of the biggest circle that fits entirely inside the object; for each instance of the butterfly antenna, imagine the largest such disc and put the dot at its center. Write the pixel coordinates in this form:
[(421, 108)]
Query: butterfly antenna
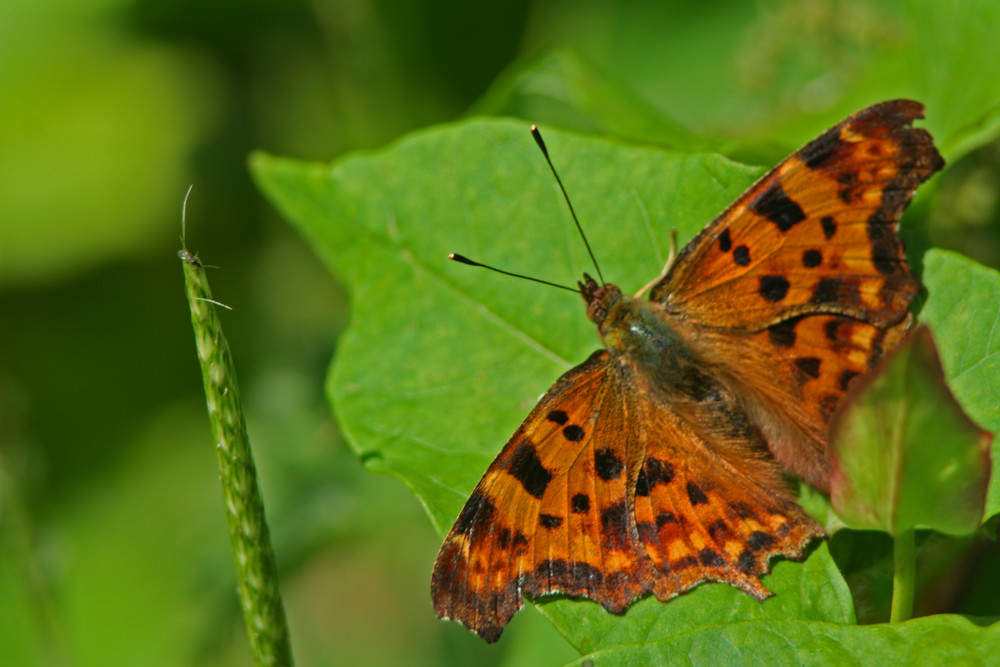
[(541, 144), (465, 260)]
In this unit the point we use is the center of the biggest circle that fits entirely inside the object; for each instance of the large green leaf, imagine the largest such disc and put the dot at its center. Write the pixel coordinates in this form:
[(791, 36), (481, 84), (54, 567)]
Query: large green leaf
[(935, 640), (441, 362)]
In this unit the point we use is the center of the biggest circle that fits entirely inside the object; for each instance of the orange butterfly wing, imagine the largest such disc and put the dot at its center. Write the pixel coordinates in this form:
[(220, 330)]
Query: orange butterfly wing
[(801, 284), (532, 525)]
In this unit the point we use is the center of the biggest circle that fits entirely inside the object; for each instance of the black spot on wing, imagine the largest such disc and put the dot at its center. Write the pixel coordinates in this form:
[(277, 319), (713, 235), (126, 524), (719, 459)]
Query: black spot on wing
[(829, 227), (506, 538), (653, 472), (747, 562), (832, 330), (663, 518), (845, 379), (503, 538), (822, 149), (782, 334), (696, 495), (614, 526), (826, 290), (809, 366), (607, 464), (742, 510), (479, 506), (558, 416), (848, 186), (526, 468), (775, 205), (773, 288), (758, 541), (580, 503), (573, 433), (725, 242), (741, 255), (549, 520), (710, 558), (719, 531), (812, 258)]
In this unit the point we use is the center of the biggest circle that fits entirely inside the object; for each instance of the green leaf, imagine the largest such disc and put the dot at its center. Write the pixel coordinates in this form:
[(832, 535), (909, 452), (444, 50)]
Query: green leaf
[(903, 453), (940, 640), (963, 309)]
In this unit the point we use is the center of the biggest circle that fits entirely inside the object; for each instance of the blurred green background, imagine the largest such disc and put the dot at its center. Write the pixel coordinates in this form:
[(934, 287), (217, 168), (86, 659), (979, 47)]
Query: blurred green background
[(113, 548)]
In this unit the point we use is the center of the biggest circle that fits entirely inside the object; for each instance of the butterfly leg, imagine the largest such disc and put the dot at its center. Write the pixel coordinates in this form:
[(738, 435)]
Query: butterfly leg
[(666, 267)]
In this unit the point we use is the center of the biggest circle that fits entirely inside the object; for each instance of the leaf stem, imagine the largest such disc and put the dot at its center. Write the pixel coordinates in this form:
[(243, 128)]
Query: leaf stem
[(257, 575), (904, 556)]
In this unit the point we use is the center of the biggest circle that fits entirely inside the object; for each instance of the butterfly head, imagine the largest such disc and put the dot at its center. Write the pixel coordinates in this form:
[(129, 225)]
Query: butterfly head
[(601, 299)]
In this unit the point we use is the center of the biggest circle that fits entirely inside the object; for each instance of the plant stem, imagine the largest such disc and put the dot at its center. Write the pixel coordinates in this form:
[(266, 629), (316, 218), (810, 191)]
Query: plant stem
[(257, 575), (904, 556)]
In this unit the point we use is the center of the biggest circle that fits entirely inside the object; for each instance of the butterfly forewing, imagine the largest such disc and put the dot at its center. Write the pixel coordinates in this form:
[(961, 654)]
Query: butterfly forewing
[(818, 234), (538, 521)]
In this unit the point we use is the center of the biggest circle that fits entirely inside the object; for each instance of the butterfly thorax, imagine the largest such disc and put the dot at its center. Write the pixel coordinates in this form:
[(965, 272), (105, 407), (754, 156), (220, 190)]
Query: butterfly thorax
[(639, 333)]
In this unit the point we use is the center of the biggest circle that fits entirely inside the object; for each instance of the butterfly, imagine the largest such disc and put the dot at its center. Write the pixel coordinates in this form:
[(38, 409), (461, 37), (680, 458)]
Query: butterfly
[(659, 462)]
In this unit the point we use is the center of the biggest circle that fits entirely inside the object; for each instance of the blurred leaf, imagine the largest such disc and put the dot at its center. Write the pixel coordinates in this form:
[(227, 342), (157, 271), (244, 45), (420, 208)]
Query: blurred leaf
[(903, 453), (775, 72), (963, 308), (559, 88), (96, 132), (948, 37)]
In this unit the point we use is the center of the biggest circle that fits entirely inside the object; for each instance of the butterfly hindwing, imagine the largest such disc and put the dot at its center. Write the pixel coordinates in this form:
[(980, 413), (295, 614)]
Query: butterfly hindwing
[(709, 505)]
